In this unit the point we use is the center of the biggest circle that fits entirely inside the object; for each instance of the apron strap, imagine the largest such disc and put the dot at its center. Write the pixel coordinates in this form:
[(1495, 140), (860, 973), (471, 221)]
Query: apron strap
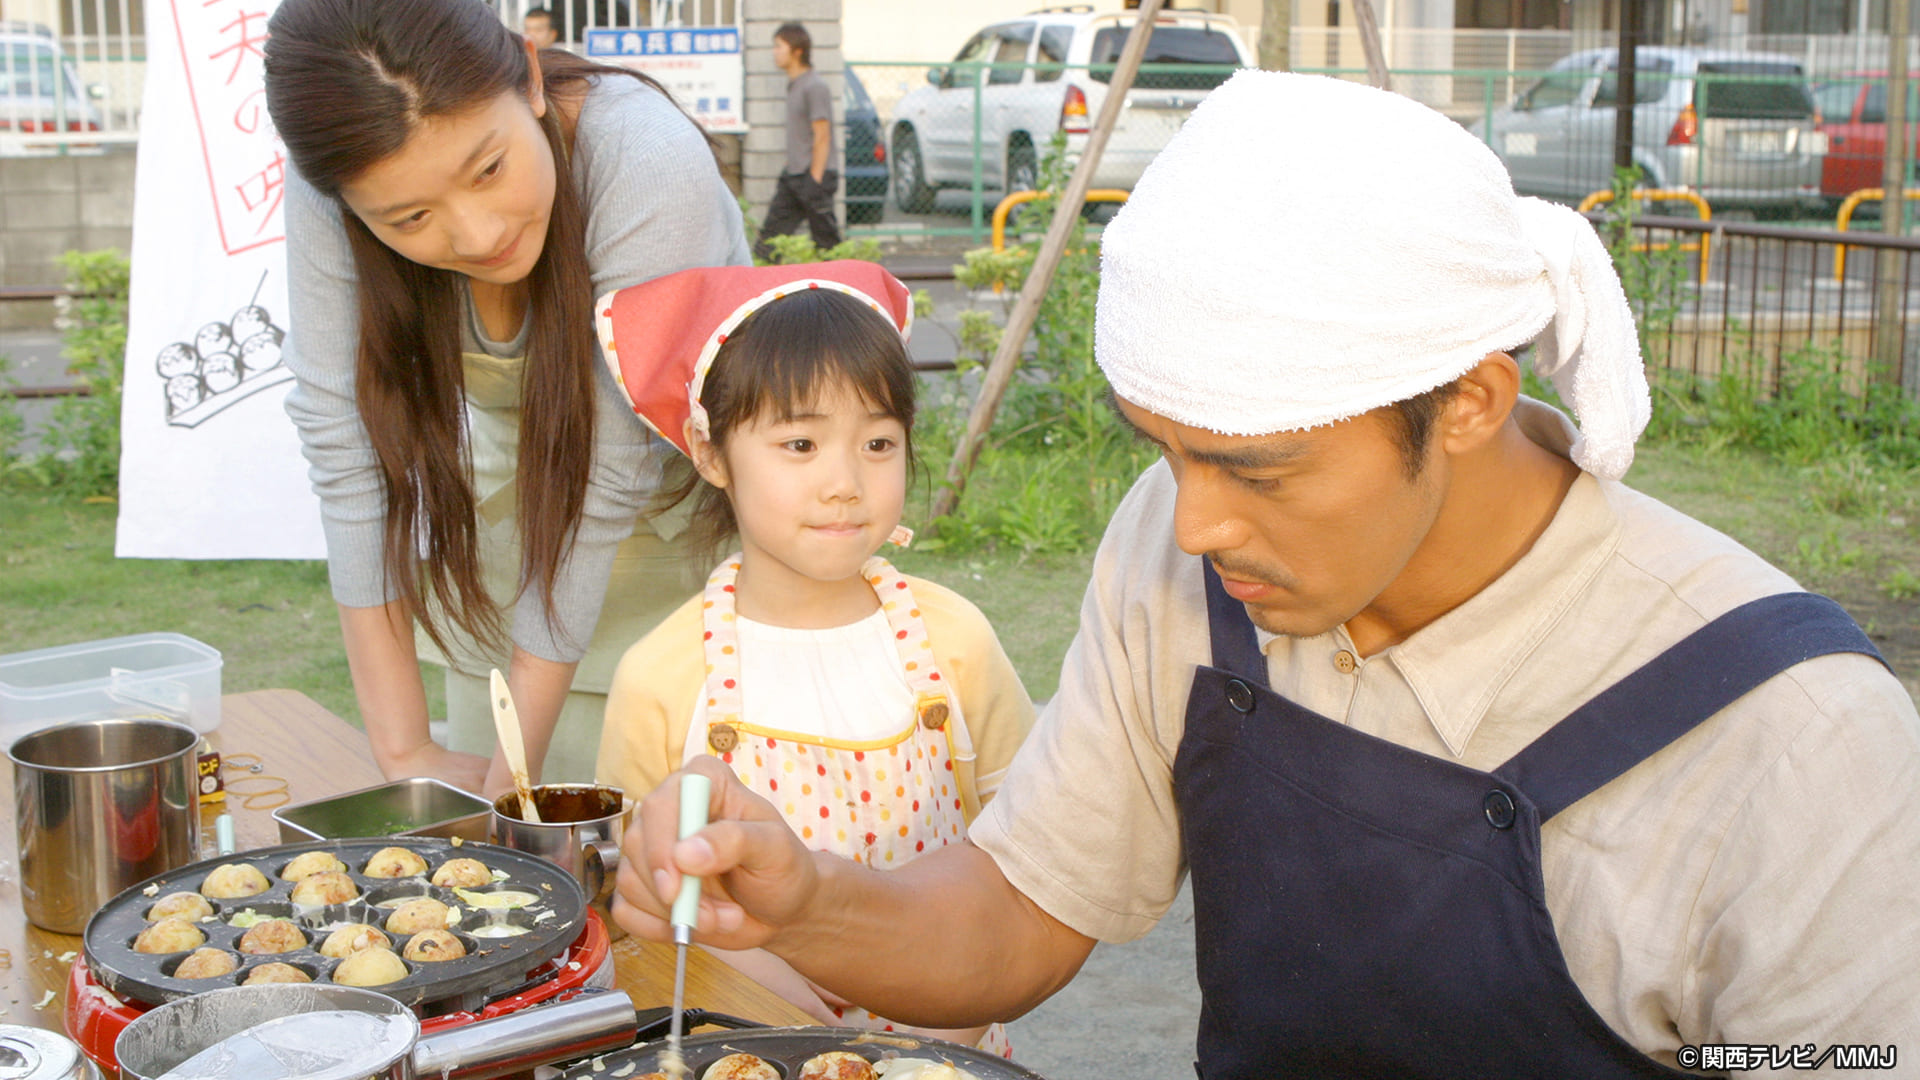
[(1236, 647), (1705, 672)]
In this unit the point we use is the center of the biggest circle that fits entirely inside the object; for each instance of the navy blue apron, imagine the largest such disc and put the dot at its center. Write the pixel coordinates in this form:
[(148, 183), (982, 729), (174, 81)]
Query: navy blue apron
[(1362, 909)]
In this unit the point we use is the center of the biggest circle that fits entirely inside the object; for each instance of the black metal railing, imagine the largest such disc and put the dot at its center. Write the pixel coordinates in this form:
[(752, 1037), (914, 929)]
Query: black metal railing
[(1771, 297)]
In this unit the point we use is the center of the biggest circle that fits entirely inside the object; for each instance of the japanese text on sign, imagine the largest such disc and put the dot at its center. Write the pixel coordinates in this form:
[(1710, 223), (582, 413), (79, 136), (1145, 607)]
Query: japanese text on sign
[(219, 42), (700, 66)]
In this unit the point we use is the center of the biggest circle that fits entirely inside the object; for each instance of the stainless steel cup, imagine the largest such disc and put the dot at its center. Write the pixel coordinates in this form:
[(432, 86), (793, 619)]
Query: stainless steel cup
[(101, 805), (579, 830)]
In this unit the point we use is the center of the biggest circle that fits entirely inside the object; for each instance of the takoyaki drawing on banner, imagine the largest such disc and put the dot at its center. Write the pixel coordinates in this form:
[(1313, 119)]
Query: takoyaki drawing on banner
[(227, 360)]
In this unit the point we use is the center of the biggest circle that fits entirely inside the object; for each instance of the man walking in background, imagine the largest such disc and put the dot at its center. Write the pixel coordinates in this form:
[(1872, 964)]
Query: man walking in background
[(805, 191), (539, 29)]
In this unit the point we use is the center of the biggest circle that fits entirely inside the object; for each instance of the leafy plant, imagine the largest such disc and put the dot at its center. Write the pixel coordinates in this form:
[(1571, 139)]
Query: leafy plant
[(1902, 584), (82, 440), (13, 426), (1057, 460), (1651, 278), (800, 248), (1821, 555)]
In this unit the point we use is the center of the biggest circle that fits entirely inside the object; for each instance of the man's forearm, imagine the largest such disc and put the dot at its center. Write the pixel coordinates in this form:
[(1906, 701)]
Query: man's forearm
[(945, 941)]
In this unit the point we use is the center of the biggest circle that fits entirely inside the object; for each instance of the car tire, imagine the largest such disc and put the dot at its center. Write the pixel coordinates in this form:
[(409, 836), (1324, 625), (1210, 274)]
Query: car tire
[(910, 190), (1023, 169)]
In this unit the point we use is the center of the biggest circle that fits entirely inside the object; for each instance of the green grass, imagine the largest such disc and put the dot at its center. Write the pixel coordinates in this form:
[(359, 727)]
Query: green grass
[(275, 622)]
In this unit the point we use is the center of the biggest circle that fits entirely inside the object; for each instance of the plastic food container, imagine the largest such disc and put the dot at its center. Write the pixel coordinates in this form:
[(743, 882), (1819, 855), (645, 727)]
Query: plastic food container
[(166, 675), (421, 806)]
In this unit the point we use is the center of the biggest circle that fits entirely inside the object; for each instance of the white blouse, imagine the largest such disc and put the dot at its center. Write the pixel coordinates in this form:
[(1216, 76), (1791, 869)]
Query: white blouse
[(843, 684)]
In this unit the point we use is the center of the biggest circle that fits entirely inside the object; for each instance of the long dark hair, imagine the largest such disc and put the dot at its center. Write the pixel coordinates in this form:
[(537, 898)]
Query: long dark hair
[(779, 361), (348, 82)]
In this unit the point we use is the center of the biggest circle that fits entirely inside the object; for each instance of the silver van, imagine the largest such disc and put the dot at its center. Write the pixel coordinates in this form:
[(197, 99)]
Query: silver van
[(1736, 128)]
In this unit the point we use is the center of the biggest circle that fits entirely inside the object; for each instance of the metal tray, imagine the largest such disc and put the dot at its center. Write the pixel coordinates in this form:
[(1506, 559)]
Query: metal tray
[(788, 1048), (421, 806), (492, 967)]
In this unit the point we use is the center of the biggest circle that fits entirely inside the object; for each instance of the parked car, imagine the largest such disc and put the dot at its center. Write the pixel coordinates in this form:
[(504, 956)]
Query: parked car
[(1736, 128), (864, 164), (1038, 85), (1853, 114), (40, 90)]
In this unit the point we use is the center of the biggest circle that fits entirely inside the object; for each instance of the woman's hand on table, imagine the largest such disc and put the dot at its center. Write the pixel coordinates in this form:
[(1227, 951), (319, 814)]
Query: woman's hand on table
[(465, 771), (759, 877)]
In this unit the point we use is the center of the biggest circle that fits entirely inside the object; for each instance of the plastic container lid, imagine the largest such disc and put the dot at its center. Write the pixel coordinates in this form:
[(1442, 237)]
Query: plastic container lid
[(164, 674)]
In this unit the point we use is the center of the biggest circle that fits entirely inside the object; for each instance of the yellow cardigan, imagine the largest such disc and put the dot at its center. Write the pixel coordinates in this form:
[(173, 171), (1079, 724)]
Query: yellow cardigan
[(659, 681)]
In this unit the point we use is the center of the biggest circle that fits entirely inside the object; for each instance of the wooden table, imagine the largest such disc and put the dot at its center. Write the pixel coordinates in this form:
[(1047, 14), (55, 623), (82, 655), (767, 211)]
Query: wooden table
[(319, 755)]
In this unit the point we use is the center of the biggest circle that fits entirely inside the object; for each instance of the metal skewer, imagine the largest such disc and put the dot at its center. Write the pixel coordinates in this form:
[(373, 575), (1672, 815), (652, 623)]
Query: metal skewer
[(695, 790)]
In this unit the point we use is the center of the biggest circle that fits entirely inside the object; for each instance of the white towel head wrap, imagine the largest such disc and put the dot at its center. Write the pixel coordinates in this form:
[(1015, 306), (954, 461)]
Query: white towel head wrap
[(1307, 249)]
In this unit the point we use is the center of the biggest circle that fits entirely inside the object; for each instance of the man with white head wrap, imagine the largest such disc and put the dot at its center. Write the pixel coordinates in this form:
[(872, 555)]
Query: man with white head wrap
[(1483, 764)]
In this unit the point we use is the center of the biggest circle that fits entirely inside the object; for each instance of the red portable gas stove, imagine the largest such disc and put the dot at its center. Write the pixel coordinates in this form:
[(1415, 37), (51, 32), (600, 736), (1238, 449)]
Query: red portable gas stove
[(560, 944)]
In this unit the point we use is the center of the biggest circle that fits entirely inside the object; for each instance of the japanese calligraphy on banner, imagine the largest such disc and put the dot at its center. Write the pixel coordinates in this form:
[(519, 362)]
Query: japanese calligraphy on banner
[(210, 464), (702, 67)]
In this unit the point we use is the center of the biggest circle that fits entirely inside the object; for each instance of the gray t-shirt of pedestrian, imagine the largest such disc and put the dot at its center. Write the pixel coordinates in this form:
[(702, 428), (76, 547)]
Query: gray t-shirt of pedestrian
[(808, 100)]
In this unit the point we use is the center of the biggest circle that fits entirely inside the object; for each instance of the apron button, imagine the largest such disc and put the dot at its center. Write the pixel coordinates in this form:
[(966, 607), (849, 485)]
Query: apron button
[(1344, 661), (722, 738), (933, 714), (1499, 809), (1240, 696)]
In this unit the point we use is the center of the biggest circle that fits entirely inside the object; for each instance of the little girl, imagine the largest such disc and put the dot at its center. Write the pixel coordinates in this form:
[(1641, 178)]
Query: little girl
[(876, 710)]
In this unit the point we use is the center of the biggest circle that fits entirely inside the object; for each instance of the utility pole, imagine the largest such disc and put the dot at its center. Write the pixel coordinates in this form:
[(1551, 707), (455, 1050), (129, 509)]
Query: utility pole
[(1624, 92), (1276, 35), (1889, 331)]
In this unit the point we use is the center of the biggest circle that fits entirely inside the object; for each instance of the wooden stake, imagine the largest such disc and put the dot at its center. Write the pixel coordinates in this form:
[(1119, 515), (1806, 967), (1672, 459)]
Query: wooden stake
[(1370, 44), (1065, 216)]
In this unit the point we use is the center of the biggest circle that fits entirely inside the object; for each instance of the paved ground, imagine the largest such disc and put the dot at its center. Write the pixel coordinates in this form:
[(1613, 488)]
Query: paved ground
[(1130, 1014), (33, 360)]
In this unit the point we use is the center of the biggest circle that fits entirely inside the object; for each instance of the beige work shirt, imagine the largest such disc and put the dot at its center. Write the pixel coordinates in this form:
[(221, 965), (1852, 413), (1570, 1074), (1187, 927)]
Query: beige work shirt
[(1753, 882)]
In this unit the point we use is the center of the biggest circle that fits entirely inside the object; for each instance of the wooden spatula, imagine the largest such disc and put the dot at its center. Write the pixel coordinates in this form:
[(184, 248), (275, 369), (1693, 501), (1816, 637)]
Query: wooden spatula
[(506, 721)]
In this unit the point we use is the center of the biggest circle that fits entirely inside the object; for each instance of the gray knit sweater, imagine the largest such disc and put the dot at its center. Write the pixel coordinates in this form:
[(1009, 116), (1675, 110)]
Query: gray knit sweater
[(656, 205)]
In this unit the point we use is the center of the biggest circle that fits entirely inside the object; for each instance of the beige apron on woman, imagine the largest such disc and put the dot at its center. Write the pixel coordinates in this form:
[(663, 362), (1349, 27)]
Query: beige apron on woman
[(651, 576)]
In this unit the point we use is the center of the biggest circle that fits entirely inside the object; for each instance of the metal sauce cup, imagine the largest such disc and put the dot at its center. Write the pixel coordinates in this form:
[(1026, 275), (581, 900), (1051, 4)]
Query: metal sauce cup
[(579, 829), (31, 1054), (101, 805)]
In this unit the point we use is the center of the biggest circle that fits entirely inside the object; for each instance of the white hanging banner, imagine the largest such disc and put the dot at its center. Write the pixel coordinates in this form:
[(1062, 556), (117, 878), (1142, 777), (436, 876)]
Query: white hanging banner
[(210, 465)]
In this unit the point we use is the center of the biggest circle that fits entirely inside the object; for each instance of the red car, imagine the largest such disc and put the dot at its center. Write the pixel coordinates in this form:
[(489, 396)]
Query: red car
[(1853, 113)]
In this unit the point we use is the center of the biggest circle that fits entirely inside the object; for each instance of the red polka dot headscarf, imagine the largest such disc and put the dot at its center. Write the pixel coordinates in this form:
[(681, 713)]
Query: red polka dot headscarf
[(660, 337)]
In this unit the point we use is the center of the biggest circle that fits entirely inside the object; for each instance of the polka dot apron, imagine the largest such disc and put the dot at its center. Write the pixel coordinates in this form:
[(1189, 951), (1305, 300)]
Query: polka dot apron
[(879, 802)]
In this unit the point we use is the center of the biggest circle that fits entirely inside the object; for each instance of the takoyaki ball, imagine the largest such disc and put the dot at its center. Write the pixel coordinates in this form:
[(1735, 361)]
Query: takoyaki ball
[(169, 935), (837, 1065), (431, 945), (351, 939), (311, 863), (395, 862), (418, 916), (234, 880), (462, 874), (370, 967), (740, 1067), (206, 964), (276, 973), (190, 906), (272, 936), (325, 887)]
